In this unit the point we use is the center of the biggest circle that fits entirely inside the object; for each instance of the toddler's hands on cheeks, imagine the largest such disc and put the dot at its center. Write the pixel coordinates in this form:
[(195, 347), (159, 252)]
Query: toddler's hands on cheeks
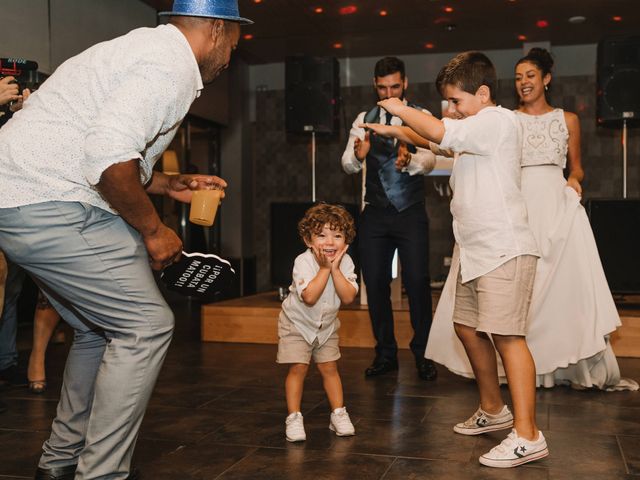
[(335, 264), (321, 258)]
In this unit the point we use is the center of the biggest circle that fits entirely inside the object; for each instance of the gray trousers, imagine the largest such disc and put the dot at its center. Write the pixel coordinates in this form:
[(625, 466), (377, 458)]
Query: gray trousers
[(94, 269)]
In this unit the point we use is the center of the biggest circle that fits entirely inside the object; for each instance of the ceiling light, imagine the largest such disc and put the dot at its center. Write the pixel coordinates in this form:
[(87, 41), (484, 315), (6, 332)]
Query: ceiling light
[(448, 9), (616, 18), (429, 46), (383, 13), (348, 10), (247, 36), (522, 38), (337, 45), (257, 1), (577, 19), (318, 10), (542, 24), (450, 27)]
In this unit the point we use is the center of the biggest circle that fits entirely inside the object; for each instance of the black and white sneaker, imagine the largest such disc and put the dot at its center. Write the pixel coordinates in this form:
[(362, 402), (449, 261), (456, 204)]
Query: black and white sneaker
[(482, 422), (514, 451)]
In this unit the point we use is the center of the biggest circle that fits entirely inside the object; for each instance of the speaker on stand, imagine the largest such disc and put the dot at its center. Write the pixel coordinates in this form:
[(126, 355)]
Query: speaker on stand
[(312, 89), (616, 222), (618, 96)]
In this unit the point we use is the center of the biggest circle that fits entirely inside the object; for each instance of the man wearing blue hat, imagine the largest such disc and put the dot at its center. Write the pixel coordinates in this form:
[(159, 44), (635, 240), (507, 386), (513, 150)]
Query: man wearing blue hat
[(76, 168)]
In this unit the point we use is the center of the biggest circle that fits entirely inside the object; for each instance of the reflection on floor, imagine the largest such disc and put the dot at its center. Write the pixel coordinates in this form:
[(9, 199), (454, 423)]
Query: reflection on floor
[(218, 413)]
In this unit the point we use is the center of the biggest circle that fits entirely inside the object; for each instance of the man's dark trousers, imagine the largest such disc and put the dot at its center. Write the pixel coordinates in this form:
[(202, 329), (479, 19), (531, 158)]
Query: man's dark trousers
[(381, 231)]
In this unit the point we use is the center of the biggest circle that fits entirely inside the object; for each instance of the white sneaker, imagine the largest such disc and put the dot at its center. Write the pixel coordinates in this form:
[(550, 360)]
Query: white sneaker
[(514, 451), (341, 423), (482, 422), (295, 427)]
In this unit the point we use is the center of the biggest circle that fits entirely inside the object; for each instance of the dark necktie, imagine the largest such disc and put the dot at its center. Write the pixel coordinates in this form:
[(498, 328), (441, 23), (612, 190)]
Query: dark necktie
[(388, 117)]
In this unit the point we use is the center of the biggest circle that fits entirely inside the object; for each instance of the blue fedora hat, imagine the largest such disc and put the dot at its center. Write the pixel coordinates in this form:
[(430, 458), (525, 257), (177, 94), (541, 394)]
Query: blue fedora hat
[(223, 9)]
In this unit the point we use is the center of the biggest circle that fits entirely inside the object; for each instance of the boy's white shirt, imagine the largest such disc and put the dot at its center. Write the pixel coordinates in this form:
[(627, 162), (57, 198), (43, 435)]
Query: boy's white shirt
[(489, 215), (321, 319)]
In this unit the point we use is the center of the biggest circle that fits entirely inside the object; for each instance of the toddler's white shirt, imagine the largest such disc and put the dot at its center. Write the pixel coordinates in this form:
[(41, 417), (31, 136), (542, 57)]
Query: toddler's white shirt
[(321, 319)]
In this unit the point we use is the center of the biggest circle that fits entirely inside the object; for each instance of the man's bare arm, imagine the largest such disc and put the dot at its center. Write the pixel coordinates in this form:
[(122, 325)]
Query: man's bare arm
[(120, 186)]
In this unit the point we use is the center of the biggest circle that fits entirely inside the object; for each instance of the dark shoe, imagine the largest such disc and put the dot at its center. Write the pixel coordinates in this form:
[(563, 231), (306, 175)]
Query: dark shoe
[(14, 376), (37, 387), (68, 472), (59, 473), (426, 369), (380, 367)]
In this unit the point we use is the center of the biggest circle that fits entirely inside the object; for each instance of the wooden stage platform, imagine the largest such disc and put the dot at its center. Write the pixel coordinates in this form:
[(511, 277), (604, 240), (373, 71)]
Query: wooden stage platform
[(253, 319)]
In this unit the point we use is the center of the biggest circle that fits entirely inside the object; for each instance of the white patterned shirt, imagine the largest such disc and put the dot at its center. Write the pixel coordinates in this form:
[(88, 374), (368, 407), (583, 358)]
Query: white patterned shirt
[(545, 138), (321, 319), (119, 100), (489, 215)]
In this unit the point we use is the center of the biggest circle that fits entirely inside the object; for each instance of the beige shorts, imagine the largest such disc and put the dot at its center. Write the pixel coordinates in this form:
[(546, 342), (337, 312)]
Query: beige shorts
[(293, 348), (498, 302)]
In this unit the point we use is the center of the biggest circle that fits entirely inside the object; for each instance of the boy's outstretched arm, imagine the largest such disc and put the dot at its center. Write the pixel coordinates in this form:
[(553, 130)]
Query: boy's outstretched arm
[(424, 125), (402, 133)]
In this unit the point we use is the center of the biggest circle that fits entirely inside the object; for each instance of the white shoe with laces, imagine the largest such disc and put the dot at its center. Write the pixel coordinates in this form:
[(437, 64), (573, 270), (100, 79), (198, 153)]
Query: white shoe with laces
[(341, 423), (514, 451), (482, 422), (295, 428)]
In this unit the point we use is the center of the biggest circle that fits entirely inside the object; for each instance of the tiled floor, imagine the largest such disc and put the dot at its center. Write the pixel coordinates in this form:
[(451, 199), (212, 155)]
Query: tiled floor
[(218, 413)]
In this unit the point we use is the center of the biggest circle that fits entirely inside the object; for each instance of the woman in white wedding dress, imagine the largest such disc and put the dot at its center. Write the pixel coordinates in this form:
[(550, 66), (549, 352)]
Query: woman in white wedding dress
[(572, 311)]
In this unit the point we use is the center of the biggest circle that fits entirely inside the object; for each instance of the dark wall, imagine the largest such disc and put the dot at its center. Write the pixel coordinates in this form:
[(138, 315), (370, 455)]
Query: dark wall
[(282, 163)]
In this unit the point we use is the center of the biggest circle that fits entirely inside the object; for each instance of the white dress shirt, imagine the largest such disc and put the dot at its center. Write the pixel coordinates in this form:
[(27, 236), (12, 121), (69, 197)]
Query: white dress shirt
[(489, 214), (119, 100), (321, 319), (422, 162)]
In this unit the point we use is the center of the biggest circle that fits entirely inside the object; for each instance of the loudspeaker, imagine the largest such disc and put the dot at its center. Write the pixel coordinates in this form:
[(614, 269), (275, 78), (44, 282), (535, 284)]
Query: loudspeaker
[(286, 244), (618, 76), (616, 228), (312, 88)]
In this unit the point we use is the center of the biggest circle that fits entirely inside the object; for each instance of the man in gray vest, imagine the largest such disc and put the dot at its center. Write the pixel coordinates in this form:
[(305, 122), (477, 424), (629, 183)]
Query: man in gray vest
[(394, 217)]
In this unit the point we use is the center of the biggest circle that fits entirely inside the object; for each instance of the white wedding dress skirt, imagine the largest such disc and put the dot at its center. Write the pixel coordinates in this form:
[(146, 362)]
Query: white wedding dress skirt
[(572, 311)]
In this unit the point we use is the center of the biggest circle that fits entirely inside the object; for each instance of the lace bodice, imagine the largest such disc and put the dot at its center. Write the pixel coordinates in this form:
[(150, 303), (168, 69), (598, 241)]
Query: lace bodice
[(544, 138)]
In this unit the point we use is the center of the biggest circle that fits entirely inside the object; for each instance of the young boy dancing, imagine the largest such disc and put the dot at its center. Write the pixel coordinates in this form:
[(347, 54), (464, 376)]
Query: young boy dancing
[(323, 278), (498, 253)]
